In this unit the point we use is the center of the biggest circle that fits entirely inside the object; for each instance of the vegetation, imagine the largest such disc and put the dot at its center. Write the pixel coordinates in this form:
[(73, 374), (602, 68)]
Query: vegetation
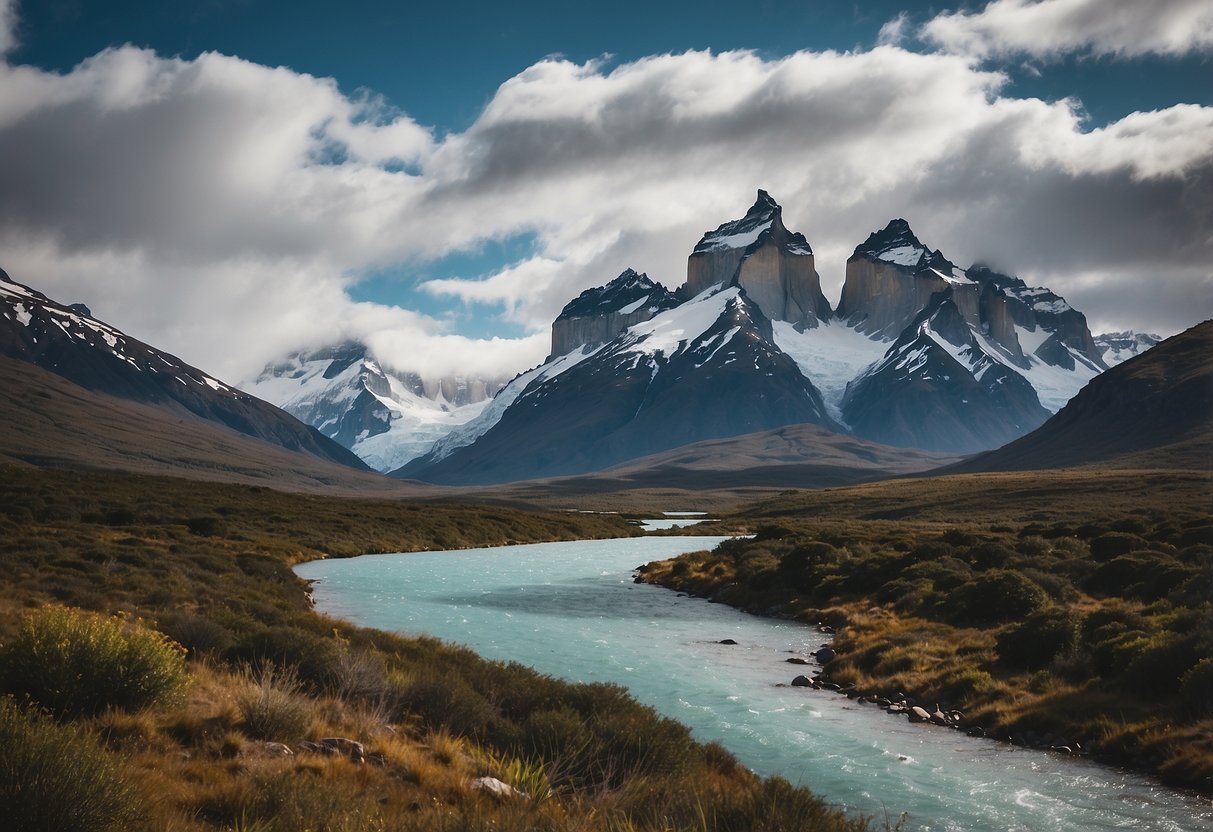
[(75, 663), (1081, 618), (57, 778), (416, 721)]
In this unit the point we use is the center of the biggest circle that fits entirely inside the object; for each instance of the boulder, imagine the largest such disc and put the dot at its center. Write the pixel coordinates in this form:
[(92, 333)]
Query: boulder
[(825, 655), (802, 682), (919, 714), (277, 749), (340, 745), (727, 641), (797, 660), (496, 788)]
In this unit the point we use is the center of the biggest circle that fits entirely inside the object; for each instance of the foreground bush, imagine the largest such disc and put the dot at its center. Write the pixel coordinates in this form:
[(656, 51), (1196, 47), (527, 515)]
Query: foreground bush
[(76, 663), (54, 778)]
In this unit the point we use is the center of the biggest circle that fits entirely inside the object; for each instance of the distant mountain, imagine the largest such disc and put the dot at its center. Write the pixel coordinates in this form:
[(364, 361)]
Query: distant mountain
[(708, 368), (69, 342), (52, 422), (939, 388), (386, 417), (598, 315), (1117, 347), (921, 353), (772, 265), (1154, 410)]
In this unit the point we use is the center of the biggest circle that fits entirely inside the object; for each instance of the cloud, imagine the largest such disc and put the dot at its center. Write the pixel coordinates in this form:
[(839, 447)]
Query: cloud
[(893, 32), (8, 25), (223, 209), (1050, 28)]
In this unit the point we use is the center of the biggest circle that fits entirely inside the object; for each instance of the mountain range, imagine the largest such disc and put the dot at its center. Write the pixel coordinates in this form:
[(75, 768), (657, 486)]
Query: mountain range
[(919, 353), (744, 367)]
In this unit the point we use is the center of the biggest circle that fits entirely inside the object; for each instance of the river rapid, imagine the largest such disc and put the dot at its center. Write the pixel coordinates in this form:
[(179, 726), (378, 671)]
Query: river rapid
[(572, 611)]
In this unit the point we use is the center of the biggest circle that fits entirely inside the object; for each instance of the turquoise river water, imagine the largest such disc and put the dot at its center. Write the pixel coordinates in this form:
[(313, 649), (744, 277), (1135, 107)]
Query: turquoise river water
[(571, 610)]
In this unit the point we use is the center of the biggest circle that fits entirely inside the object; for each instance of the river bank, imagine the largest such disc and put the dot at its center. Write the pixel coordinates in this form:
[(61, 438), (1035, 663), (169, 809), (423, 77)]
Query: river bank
[(572, 610)]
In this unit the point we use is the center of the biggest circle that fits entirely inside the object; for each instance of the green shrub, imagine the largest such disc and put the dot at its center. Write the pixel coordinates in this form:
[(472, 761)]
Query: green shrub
[(76, 663), (54, 778), (999, 595), (1038, 640)]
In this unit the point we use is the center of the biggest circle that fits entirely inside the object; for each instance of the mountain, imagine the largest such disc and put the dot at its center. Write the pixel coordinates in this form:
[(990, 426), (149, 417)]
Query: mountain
[(772, 265), (978, 357), (920, 353), (939, 388), (598, 315), (69, 342), (1116, 347), (705, 369), (50, 422), (1154, 410), (385, 417)]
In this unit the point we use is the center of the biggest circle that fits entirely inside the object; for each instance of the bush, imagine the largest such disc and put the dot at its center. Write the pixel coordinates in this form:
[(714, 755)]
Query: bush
[(1196, 688), (1113, 545), (76, 663), (998, 596), (1038, 640), (53, 778), (272, 707)]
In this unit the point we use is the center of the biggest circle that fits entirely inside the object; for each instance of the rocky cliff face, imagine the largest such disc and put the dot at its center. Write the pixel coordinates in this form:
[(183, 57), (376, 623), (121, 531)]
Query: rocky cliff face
[(1064, 337), (598, 315), (939, 388), (774, 266), (892, 276)]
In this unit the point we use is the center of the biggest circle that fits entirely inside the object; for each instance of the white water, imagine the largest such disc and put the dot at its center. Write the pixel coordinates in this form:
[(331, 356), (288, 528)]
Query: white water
[(571, 610)]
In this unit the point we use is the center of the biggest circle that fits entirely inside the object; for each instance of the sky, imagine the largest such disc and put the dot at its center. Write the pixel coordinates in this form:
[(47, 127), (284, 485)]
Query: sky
[(234, 180)]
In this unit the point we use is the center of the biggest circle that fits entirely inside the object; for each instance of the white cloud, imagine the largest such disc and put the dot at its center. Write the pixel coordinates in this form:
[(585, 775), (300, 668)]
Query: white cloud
[(221, 209), (1048, 28), (893, 32)]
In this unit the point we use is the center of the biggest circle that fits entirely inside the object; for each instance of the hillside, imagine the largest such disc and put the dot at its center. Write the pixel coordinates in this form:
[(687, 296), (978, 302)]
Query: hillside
[(51, 422), (1154, 410)]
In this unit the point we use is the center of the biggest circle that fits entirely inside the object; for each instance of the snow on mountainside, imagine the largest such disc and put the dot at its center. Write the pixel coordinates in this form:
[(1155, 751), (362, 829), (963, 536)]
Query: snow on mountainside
[(1118, 347), (745, 232), (69, 342), (474, 428), (708, 368), (386, 418), (831, 356)]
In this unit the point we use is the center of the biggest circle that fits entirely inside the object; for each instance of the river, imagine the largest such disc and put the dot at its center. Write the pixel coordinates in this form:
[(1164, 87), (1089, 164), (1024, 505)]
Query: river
[(571, 610)]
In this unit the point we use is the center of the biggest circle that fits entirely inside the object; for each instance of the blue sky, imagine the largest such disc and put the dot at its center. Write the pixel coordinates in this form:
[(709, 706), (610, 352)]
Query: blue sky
[(443, 174)]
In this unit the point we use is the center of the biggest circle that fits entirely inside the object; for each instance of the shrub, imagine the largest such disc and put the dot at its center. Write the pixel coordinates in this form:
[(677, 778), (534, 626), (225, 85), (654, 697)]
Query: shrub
[(271, 705), (1038, 640), (1000, 595), (76, 663), (1196, 688), (53, 778), (1112, 545)]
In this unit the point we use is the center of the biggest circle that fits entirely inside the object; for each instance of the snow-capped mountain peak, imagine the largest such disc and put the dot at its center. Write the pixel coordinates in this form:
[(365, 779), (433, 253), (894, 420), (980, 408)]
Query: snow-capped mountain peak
[(597, 315), (763, 215), (1118, 347), (385, 416)]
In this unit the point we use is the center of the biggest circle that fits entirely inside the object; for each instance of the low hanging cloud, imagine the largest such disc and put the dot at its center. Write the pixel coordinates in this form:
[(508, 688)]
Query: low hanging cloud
[(1049, 28), (223, 209)]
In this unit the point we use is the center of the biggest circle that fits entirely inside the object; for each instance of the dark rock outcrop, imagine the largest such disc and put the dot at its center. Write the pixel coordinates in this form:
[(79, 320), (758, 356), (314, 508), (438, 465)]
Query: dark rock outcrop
[(598, 315)]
